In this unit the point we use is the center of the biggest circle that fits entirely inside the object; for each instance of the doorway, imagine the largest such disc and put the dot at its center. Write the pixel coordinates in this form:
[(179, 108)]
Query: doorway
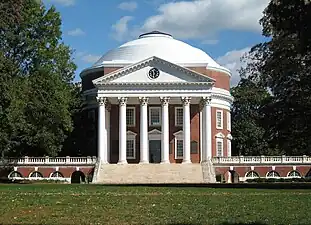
[(155, 151)]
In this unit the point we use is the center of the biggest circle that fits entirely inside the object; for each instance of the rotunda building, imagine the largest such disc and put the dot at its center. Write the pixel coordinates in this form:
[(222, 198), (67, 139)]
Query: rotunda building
[(158, 100)]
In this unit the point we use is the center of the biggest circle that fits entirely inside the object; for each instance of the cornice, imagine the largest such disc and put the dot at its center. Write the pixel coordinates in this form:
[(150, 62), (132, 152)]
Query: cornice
[(147, 62)]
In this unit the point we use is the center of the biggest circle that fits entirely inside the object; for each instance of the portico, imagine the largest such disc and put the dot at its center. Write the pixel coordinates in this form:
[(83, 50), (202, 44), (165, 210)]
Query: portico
[(163, 127)]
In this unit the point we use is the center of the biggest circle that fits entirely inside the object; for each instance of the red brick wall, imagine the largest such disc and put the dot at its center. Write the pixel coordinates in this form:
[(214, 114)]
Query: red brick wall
[(46, 171), (222, 78)]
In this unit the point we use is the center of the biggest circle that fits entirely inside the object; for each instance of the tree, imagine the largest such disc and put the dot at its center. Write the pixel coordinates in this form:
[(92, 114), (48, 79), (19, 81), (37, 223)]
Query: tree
[(36, 74), (283, 65)]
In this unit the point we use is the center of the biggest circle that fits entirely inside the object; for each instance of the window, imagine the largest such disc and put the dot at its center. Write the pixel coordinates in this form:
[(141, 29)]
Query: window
[(219, 147), (252, 174), (155, 116), (228, 121), (219, 119), (36, 175), (229, 148), (57, 175), (179, 149), (130, 116), (294, 173), (15, 174), (179, 145), (130, 149), (179, 116), (273, 174)]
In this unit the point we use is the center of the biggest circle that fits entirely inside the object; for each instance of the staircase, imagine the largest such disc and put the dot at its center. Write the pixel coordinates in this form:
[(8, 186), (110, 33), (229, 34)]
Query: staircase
[(155, 173)]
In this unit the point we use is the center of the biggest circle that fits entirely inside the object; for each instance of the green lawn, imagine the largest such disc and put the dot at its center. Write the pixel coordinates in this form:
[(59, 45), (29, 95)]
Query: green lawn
[(92, 204)]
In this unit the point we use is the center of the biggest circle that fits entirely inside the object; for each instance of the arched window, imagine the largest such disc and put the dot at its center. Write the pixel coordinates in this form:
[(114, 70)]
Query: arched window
[(57, 175), (252, 174), (15, 174), (273, 174), (294, 173), (36, 174)]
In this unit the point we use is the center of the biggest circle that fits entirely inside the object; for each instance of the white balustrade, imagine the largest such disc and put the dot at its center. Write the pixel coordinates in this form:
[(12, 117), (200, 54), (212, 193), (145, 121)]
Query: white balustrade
[(262, 160), (49, 161)]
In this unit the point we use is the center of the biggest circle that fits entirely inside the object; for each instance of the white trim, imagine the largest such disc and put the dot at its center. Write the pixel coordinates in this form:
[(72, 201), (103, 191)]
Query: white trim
[(15, 171), (131, 136), (253, 177), (30, 175), (220, 135), (201, 134), (220, 140), (178, 136), (134, 114), (56, 177), (229, 153), (222, 119), (293, 176), (175, 116), (160, 116), (273, 171), (154, 135), (228, 121)]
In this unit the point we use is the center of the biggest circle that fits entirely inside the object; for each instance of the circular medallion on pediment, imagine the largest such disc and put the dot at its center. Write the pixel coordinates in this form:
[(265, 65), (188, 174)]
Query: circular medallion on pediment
[(153, 73)]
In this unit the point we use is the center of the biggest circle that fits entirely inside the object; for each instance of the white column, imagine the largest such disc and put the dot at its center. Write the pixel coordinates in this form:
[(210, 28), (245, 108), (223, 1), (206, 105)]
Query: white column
[(207, 129), (102, 135), (144, 156), (186, 129), (108, 108), (165, 142), (122, 130)]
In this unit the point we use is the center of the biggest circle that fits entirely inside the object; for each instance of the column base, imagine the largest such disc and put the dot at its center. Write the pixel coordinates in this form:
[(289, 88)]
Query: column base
[(165, 162), (143, 162), (104, 162), (122, 162), (186, 162)]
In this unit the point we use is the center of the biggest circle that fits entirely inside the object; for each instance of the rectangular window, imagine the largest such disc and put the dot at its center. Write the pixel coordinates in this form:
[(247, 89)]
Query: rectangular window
[(228, 121), (155, 116), (130, 116), (219, 148), (130, 149), (219, 119), (179, 149), (179, 116)]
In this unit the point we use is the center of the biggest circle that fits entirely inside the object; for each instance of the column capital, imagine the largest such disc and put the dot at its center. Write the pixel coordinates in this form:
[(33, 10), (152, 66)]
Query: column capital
[(186, 100), (206, 100), (101, 101), (143, 100), (122, 101), (164, 100)]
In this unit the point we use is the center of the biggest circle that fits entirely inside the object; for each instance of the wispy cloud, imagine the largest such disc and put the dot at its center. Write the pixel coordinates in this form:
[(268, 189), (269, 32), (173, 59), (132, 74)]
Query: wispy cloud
[(89, 58), (120, 28), (210, 42), (76, 32), (128, 6), (63, 2), (232, 61)]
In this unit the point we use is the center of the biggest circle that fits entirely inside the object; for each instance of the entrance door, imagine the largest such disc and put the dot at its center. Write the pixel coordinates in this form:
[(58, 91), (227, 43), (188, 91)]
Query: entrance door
[(155, 151)]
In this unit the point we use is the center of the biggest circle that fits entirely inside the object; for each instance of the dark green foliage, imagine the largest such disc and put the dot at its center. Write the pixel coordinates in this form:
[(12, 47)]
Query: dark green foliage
[(282, 65), (36, 74)]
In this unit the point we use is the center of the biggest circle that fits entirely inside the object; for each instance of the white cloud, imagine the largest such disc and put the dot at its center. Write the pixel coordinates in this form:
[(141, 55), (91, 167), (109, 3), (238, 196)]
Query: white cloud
[(232, 61), (204, 18), (63, 2), (128, 6), (76, 32), (89, 58), (120, 28)]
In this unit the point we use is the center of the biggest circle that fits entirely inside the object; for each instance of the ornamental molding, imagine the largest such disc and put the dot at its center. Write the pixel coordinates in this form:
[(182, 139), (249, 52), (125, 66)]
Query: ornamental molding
[(143, 101), (186, 101), (101, 101), (220, 135), (105, 80), (164, 101), (122, 101)]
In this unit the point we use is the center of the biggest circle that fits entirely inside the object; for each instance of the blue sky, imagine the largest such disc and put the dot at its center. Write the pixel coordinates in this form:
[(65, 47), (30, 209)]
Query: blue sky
[(225, 29)]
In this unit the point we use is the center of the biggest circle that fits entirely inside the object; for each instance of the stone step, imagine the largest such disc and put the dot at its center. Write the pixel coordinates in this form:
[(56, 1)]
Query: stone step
[(152, 173)]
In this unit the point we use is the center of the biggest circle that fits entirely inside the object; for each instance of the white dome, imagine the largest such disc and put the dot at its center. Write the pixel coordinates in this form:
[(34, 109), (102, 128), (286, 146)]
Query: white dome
[(157, 44)]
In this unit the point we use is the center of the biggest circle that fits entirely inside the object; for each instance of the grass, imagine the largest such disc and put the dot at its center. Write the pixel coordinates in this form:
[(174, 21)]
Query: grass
[(94, 204)]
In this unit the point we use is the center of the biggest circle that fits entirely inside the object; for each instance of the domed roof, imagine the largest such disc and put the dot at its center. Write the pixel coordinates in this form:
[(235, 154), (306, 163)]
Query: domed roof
[(157, 44)]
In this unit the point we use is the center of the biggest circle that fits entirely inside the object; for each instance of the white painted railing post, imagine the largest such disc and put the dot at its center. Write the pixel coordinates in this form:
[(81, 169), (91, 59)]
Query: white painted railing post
[(67, 159), (26, 160), (47, 159), (262, 159), (283, 158)]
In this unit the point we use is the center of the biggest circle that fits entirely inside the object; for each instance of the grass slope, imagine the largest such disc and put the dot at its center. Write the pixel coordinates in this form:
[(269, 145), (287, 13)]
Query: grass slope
[(92, 204)]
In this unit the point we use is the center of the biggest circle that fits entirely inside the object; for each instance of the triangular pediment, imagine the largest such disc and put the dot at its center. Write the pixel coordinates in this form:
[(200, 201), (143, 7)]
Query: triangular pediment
[(154, 132), (153, 70)]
